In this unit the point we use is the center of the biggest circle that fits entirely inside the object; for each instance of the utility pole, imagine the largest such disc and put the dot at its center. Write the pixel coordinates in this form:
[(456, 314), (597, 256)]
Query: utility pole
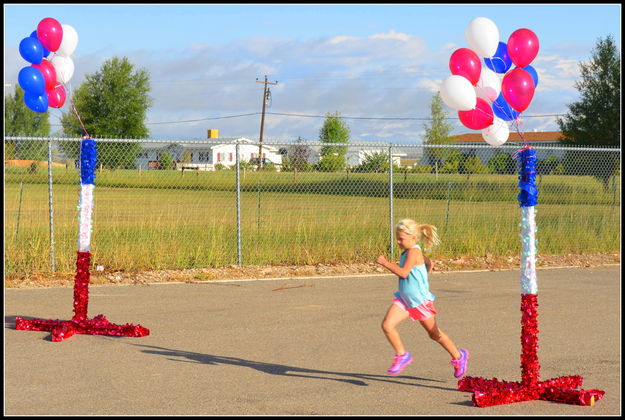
[(266, 94)]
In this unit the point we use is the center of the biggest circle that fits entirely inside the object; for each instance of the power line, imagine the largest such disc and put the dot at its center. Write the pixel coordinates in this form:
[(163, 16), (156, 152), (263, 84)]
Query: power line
[(324, 116), (394, 118), (206, 119)]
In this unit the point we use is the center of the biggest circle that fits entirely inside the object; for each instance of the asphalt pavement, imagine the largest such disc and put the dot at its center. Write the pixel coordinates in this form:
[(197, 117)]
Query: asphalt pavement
[(310, 346)]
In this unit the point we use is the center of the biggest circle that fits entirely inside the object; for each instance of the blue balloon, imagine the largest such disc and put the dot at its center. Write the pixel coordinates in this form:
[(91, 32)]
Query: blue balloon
[(46, 52), (501, 61), (31, 80), (503, 110), (532, 71), (31, 50), (38, 103)]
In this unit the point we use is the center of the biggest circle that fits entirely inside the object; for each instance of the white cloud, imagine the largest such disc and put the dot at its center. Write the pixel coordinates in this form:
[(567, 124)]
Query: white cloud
[(385, 74), (341, 38), (391, 34)]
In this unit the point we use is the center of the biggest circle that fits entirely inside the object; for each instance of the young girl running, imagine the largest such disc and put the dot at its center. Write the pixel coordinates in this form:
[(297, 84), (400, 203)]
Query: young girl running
[(414, 299)]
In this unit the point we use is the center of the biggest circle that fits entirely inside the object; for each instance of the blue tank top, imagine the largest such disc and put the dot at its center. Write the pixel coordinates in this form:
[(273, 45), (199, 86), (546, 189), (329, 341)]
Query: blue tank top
[(414, 289)]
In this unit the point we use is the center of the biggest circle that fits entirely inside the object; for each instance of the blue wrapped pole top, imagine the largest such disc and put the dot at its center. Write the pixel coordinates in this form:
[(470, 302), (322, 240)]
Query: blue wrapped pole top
[(528, 197), (88, 157)]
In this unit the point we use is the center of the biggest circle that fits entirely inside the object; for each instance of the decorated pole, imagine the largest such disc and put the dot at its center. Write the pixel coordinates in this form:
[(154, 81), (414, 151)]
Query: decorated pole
[(489, 392), (80, 323)]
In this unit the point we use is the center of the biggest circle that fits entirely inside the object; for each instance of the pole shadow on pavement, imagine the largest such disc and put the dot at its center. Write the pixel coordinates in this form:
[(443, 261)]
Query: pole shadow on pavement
[(284, 370)]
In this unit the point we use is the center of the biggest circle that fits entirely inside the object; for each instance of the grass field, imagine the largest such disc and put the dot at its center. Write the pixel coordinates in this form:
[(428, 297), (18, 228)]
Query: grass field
[(146, 220)]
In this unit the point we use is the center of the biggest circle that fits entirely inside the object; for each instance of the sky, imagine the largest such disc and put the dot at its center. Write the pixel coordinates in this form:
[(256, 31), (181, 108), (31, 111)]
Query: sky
[(377, 65)]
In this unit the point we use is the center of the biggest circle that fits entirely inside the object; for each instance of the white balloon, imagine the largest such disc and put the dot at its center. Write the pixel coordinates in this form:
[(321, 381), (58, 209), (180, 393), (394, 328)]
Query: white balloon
[(458, 93), (497, 133), (68, 42), (489, 85), (64, 67), (483, 36)]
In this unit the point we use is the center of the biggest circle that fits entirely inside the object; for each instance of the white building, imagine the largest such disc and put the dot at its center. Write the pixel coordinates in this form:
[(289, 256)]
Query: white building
[(204, 155), (354, 156)]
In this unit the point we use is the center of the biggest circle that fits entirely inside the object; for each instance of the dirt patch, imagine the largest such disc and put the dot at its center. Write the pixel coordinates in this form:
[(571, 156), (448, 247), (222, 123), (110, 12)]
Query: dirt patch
[(30, 162), (487, 262)]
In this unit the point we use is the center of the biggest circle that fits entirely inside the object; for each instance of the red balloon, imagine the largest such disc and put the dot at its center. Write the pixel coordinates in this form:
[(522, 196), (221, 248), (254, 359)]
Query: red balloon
[(50, 33), (478, 118), (49, 73), (523, 47), (517, 88), (464, 62), (56, 97)]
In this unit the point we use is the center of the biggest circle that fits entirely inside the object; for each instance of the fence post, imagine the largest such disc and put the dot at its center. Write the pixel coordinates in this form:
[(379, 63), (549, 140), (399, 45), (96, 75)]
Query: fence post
[(448, 201), (19, 211), (50, 204), (238, 206), (390, 196)]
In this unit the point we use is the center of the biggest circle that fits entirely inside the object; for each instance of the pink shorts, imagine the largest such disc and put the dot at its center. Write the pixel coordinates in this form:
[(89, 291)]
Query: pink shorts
[(420, 312)]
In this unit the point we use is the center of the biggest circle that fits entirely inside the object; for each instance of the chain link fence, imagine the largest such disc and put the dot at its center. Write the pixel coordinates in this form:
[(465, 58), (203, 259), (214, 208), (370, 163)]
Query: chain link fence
[(174, 204)]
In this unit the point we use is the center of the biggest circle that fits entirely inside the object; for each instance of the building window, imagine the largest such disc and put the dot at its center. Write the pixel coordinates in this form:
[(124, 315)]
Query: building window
[(142, 155), (203, 156)]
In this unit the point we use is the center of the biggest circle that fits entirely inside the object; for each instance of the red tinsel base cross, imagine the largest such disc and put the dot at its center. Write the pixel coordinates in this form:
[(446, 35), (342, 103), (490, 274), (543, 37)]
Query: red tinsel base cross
[(488, 392), (80, 323), (65, 329)]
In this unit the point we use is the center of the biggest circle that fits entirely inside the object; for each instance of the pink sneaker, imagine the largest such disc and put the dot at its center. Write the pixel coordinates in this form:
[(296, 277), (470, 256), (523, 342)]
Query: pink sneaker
[(400, 362), (460, 365)]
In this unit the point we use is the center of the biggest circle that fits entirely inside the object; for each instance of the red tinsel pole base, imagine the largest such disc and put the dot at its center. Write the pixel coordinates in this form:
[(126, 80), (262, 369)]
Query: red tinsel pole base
[(489, 392), (80, 324), (65, 329)]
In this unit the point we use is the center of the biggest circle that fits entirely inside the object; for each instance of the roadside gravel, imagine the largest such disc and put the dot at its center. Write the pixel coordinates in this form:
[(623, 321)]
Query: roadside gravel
[(102, 276)]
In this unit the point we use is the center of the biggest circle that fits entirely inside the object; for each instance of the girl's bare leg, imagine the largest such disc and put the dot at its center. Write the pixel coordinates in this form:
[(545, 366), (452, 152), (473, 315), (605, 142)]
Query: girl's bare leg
[(440, 337), (393, 317)]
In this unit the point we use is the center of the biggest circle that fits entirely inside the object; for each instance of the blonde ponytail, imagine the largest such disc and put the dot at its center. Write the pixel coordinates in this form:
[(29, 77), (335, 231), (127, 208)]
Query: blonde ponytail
[(422, 232), (429, 236)]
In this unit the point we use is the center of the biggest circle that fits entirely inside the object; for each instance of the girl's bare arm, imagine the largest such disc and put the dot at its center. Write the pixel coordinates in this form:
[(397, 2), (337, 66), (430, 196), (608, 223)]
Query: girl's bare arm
[(428, 264), (414, 258)]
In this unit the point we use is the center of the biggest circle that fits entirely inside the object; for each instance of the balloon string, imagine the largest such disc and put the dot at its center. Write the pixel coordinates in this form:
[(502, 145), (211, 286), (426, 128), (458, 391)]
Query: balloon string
[(497, 58), (81, 124), (519, 121), (499, 107), (482, 111), (526, 146), (70, 96)]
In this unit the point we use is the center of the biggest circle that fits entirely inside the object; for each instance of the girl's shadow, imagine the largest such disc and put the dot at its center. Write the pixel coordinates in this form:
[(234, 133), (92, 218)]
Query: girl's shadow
[(276, 369)]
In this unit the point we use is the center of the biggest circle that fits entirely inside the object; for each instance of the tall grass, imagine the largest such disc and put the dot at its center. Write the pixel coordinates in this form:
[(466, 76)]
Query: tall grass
[(165, 220)]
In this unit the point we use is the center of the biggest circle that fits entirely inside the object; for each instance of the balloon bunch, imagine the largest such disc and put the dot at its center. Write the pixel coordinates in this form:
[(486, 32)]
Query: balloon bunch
[(483, 100), (43, 80)]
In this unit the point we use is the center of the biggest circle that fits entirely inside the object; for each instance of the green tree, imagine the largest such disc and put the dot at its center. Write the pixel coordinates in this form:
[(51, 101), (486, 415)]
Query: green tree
[(112, 103), (334, 130), (453, 162), (546, 166), (437, 132), (474, 165), (331, 163), (19, 120), (595, 119), (166, 161), (502, 163), (374, 162)]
